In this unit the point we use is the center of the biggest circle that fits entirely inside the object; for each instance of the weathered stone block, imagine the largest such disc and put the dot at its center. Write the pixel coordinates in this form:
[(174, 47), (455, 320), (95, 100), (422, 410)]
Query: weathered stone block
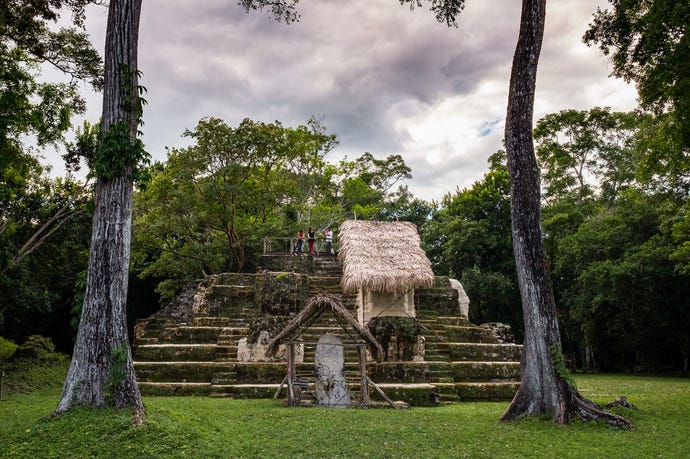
[(469, 334), (260, 372), (176, 352), (487, 391), (484, 352), (399, 372), (486, 371)]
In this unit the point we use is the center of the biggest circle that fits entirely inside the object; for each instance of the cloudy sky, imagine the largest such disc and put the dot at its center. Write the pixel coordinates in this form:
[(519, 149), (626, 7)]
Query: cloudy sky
[(384, 79)]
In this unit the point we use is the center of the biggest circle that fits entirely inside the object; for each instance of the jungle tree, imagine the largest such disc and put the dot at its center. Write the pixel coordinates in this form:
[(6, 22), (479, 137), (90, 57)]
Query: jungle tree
[(102, 361), (208, 207), (101, 366), (545, 387)]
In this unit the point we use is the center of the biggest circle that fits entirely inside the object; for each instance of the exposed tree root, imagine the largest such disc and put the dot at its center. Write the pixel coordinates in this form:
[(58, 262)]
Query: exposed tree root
[(574, 406), (621, 401), (138, 417), (587, 410)]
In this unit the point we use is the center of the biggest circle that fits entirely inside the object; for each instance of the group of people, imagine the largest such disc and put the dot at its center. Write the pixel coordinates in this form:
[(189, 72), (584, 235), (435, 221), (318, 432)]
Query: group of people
[(311, 239)]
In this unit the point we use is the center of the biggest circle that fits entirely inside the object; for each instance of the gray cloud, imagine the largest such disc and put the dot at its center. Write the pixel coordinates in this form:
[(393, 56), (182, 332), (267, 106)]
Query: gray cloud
[(384, 79)]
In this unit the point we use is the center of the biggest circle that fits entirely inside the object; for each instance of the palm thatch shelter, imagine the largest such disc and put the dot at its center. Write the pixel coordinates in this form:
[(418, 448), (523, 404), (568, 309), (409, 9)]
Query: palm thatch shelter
[(314, 307), (384, 263)]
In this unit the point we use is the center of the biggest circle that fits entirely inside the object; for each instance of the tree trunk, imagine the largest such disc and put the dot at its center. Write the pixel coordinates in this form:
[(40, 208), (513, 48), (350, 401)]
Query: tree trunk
[(101, 370), (542, 390)]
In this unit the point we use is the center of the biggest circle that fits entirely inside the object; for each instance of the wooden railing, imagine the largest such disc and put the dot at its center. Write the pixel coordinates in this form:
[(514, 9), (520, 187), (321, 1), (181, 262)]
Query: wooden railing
[(278, 245)]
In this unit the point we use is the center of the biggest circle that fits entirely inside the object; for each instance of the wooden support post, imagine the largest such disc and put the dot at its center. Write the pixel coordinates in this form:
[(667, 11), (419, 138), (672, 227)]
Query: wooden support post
[(364, 386), (282, 383), (383, 394), (293, 395)]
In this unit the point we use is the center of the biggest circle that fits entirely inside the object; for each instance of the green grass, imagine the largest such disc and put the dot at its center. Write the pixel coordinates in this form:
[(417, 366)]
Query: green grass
[(223, 428)]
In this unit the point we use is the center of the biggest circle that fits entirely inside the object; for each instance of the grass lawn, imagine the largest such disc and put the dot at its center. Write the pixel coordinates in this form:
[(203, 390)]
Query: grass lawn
[(224, 428)]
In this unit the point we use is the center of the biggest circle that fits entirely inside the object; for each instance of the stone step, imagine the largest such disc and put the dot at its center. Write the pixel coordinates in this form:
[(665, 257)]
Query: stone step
[(415, 394), (486, 371), (453, 320), (152, 389), (324, 281), (214, 321), (179, 371), (487, 391), (189, 334), (485, 352), (469, 334), (226, 352), (224, 377), (175, 352)]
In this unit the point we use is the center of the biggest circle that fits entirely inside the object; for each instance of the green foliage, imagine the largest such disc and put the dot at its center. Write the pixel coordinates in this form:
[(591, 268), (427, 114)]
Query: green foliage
[(29, 376), (618, 281), (664, 163), (560, 367), (648, 44), (29, 105), (43, 244), (41, 227), (118, 153), (367, 187), (177, 427), (36, 347), (581, 153), (117, 150), (116, 371), (680, 231), (32, 366), (615, 192), (208, 208), (444, 10), (281, 10), (7, 349)]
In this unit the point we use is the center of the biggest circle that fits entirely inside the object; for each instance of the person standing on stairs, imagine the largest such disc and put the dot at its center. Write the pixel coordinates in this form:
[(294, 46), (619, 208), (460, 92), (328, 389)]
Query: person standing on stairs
[(311, 238), (300, 241), (329, 239)]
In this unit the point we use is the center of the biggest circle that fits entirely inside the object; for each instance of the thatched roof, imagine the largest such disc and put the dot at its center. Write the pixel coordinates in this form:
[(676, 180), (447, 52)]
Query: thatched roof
[(382, 256), (312, 310)]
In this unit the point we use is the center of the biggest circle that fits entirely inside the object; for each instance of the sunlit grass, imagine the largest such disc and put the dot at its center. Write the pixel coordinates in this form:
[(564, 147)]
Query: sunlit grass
[(224, 428)]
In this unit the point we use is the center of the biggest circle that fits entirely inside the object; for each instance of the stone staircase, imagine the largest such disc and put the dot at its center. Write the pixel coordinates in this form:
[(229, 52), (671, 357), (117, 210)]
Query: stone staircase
[(195, 352)]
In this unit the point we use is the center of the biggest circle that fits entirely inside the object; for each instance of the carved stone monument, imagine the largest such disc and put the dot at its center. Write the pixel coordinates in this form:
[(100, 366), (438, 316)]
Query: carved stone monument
[(329, 367)]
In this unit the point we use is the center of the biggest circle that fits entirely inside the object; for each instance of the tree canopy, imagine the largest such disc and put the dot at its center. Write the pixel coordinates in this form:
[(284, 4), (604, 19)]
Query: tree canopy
[(649, 45)]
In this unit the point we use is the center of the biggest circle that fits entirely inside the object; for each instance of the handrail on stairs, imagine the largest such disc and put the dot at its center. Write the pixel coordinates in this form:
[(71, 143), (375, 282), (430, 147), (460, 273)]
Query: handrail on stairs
[(274, 244)]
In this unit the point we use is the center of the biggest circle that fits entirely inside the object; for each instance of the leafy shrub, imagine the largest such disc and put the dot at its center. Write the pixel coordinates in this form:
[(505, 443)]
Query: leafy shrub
[(34, 365), (7, 349), (36, 347)]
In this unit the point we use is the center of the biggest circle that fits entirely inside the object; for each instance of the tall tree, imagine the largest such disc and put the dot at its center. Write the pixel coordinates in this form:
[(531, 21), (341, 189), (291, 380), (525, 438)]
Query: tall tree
[(586, 153), (544, 387), (101, 369), (102, 361)]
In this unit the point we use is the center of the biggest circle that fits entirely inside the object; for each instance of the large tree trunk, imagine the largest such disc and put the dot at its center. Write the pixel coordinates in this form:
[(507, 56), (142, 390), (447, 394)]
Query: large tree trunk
[(101, 370), (542, 390)]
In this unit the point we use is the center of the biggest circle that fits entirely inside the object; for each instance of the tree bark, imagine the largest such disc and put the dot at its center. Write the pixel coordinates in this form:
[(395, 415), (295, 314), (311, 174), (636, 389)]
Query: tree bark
[(542, 390), (101, 370)]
